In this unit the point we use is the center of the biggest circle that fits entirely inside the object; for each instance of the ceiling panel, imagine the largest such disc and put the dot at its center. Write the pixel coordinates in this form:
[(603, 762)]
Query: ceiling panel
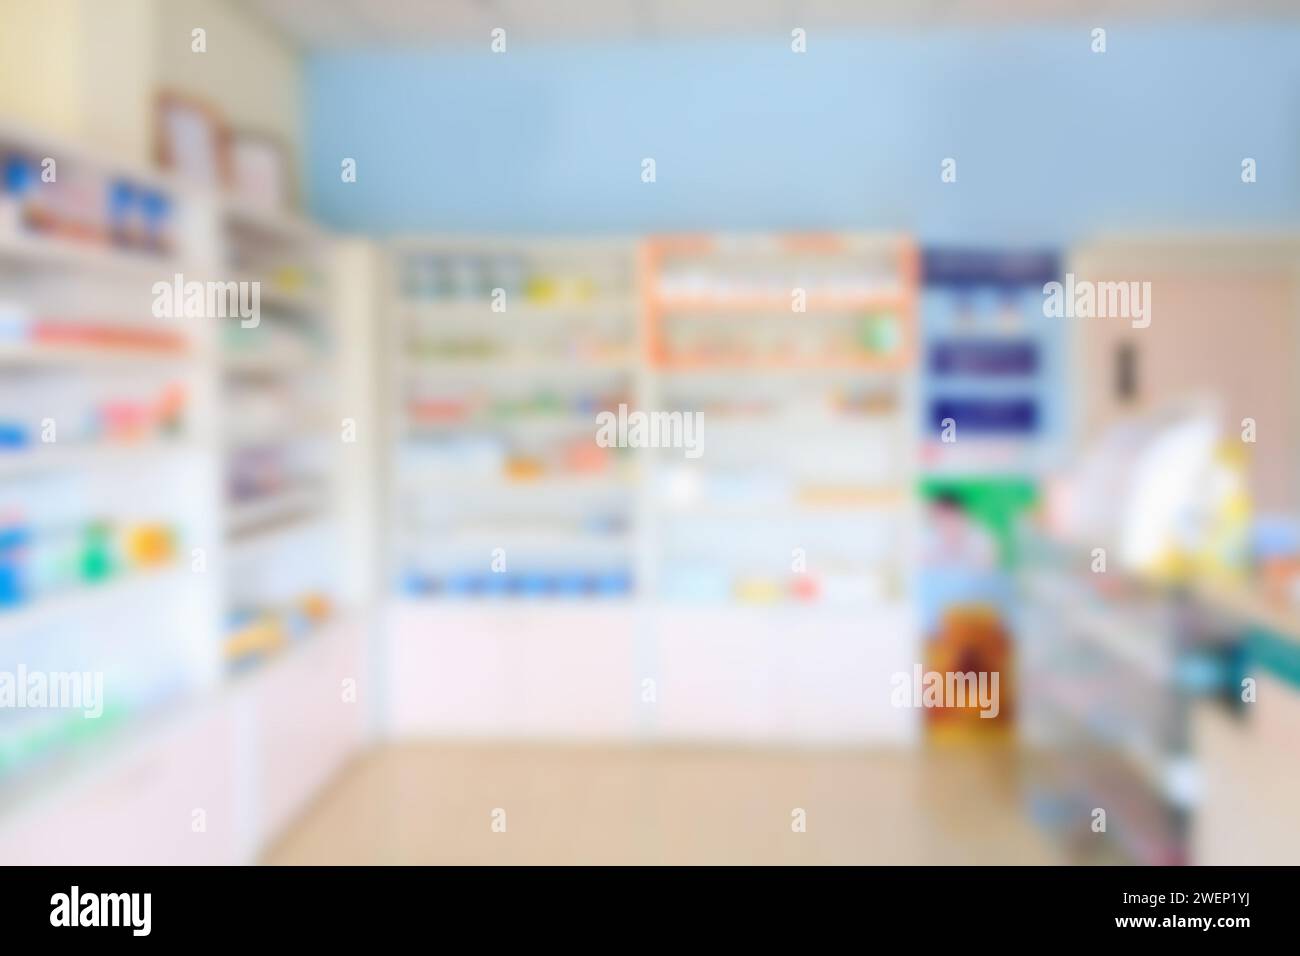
[(355, 24)]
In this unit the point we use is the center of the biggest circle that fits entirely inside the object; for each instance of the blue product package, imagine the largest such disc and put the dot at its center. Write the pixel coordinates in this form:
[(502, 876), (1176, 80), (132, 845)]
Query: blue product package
[(13, 435), (570, 584), (613, 583), (496, 584), (12, 592), (413, 583), (157, 211), (533, 584), (19, 174), (121, 204), (462, 584)]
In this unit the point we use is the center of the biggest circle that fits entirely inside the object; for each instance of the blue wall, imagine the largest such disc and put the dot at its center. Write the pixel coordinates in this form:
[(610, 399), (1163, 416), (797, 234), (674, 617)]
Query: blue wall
[(1052, 141)]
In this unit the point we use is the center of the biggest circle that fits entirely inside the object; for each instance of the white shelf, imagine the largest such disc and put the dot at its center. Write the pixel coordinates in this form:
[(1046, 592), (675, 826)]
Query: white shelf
[(412, 477), (288, 300), (517, 312), (34, 251), (509, 366), (434, 321), (259, 542), (36, 355), (261, 514), (287, 434), (55, 457), (89, 601), (278, 225), (536, 424), (206, 232), (270, 361), (533, 336)]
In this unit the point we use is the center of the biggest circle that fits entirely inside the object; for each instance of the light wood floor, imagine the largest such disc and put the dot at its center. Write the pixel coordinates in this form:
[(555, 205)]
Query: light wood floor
[(432, 803)]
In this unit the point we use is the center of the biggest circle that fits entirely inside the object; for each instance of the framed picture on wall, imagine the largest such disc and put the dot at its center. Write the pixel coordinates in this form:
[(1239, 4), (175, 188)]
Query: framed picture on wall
[(191, 139), (259, 169)]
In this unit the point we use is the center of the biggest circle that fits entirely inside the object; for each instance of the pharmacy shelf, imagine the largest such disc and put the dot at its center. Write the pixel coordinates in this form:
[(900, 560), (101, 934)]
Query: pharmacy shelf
[(18, 355), (305, 428), (277, 361), (513, 367), (480, 309), (293, 505), (784, 364), (36, 252), (722, 335), (194, 728), (41, 274), (224, 738), (46, 458), (1104, 664), (564, 487), (568, 329), (275, 555), (1131, 642), (288, 300), (277, 226), (749, 305), (84, 604)]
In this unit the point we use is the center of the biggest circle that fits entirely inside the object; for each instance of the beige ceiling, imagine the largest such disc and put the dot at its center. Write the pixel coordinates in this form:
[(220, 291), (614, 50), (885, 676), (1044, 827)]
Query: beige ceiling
[(343, 24)]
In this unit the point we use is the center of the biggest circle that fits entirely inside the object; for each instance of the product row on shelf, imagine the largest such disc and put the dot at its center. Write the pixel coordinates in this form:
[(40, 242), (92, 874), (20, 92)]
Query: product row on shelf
[(48, 549), (127, 666), (166, 499), (867, 338), (43, 411), (280, 460), (81, 203), (822, 302), (537, 276), (430, 407), (20, 329), (496, 412), (753, 271)]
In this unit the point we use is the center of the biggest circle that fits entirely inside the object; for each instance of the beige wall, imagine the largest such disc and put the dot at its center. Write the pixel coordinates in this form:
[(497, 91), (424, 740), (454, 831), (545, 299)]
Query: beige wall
[(81, 69), (1225, 325), (89, 69), (248, 72), (117, 76), (39, 50)]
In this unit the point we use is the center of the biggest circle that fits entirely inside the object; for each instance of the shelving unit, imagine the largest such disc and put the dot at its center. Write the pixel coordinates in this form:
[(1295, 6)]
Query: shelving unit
[(1118, 666), (797, 455), (122, 548), (281, 457), (95, 392), (795, 462), (503, 354)]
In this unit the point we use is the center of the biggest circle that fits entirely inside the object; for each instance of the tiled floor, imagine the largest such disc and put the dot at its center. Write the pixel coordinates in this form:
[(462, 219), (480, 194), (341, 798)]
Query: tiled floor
[(434, 803)]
